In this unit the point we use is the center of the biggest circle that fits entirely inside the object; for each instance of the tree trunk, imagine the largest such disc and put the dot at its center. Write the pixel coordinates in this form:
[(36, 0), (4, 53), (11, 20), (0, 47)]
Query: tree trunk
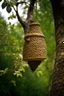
[(58, 74)]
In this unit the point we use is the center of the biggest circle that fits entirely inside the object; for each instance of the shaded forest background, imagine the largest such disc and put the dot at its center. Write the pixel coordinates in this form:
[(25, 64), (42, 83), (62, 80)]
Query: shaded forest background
[(16, 78)]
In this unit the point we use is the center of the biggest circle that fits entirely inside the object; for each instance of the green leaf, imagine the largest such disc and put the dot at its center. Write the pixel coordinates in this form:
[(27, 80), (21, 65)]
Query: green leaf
[(8, 9), (12, 16), (12, 3), (0, 0), (4, 4), (39, 73), (13, 82)]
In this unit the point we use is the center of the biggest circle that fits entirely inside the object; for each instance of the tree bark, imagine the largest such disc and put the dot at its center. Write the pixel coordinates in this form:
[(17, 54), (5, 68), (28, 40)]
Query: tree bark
[(30, 11), (58, 73)]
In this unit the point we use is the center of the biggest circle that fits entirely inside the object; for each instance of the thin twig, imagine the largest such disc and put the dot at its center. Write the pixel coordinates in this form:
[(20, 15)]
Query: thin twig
[(19, 19), (21, 2)]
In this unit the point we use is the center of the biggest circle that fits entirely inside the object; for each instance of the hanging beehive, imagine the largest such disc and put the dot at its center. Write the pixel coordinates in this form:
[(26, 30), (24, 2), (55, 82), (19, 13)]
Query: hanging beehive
[(34, 50)]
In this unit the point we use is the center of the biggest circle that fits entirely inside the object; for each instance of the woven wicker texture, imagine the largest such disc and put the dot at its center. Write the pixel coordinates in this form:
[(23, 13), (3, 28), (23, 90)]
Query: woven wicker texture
[(34, 46)]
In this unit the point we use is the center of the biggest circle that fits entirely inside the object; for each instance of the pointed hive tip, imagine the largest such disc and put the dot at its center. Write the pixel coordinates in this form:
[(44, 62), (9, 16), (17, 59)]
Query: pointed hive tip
[(34, 64)]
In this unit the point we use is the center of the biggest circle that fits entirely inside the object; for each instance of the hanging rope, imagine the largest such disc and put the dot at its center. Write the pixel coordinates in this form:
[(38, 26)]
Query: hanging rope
[(36, 12)]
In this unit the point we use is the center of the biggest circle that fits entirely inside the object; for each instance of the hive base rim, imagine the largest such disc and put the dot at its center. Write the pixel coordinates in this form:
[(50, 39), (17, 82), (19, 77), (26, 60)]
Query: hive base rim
[(35, 59)]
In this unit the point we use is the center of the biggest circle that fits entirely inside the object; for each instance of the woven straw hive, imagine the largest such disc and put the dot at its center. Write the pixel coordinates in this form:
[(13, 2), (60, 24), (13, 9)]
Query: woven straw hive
[(34, 50)]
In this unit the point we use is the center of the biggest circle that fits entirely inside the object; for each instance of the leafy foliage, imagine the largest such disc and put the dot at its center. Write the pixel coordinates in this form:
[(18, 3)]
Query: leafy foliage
[(16, 77)]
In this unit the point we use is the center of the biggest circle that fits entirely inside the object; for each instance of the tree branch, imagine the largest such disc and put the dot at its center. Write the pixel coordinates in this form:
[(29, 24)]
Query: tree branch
[(19, 19), (21, 2), (30, 11), (25, 25)]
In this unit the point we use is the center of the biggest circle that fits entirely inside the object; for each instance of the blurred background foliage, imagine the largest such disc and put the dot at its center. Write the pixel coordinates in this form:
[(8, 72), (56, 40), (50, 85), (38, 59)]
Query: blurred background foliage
[(16, 78)]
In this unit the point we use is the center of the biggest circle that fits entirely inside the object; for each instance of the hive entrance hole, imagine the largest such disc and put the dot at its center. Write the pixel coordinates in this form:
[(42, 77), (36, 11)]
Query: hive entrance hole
[(34, 64)]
